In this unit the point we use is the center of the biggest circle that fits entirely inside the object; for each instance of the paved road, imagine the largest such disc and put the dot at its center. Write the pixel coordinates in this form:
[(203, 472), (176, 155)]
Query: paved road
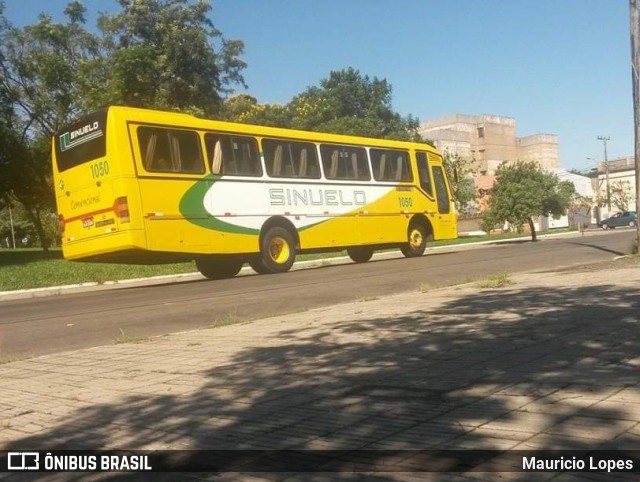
[(49, 325)]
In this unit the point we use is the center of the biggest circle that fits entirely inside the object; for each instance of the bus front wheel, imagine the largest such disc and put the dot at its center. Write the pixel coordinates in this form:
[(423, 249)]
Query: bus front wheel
[(217, 267), (416, 241), (360, 254), (277, 252)]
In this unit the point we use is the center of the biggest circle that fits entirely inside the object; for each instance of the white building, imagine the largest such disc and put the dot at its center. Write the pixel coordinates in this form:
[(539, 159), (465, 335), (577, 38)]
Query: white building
[(615, 186), (584, 188)]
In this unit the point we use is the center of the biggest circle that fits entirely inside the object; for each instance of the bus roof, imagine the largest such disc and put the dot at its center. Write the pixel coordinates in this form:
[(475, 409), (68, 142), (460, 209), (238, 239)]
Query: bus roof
[(149, 116)]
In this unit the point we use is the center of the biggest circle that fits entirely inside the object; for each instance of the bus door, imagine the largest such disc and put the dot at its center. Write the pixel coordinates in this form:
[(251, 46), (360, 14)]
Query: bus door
[(447, 227)]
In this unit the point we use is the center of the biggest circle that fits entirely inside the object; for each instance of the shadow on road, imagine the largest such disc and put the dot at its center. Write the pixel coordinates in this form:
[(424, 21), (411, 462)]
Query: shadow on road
[(600, 248), (533, 361)]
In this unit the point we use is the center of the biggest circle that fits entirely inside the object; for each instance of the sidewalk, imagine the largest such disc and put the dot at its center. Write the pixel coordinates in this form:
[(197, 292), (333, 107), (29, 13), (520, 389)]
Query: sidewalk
[(548, 362)]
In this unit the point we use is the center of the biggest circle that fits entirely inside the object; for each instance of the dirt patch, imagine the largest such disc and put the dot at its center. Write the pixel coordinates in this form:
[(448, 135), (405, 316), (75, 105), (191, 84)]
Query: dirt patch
[(626, 262)]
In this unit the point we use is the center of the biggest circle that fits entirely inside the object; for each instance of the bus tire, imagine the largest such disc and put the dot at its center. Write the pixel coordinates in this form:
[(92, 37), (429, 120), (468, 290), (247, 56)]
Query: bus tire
[(256, 264), (360, 254), (218, 267), (277, 250), (416, 241)]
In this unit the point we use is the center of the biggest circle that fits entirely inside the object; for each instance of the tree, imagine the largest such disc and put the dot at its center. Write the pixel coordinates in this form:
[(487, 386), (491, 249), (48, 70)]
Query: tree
[(245, 108), (167, 54), (621, 194), (461, 179), (523, 191), (41, 71), (350, 103), (154, 53), (345, 103)]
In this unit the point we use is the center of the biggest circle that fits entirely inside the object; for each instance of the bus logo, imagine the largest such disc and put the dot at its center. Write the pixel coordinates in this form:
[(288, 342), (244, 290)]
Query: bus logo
[(73, 138), (23, 461)]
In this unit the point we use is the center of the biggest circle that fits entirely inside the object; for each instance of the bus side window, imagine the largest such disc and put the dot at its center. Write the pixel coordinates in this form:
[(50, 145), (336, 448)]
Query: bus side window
[(306, 158), (345, 162), (390, 165), (233, 155), (187, 153), (276, 157), (168, 150), (423, 173), (290, 159), (154, 146)]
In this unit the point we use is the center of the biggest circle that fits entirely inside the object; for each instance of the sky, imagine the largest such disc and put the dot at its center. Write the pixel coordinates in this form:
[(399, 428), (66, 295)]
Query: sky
[(558, 67)]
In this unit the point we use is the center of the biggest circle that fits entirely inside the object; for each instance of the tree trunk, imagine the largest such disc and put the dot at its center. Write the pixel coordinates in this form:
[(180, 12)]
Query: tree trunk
[(532, 228), (34, 214)]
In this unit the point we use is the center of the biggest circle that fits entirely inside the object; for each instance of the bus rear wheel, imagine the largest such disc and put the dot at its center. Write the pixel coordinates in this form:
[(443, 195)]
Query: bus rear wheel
[(360, 254), (218, 267), (277, 252), (416, 241), (256, 264)]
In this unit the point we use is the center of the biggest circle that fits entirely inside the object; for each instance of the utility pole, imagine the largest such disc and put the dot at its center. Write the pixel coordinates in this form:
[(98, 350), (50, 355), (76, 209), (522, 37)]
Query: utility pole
[(635, 80), (596, 185), (606, 169), (13, 235)]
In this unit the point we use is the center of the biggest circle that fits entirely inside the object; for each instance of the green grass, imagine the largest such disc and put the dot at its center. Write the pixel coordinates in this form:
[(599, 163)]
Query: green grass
[(33, 268), (27, 268)]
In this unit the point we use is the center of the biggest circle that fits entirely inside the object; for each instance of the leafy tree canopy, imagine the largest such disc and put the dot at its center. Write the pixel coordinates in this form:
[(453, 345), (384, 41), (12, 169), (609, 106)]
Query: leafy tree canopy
[(167, 54), (43, 67), (461, 180), (152, 53), (351, 103), (621, 195), (345, 103), (245, 108), (523, 191)]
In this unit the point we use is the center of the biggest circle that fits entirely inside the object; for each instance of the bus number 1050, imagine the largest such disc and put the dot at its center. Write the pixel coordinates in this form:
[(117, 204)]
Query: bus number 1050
[(100, 169)]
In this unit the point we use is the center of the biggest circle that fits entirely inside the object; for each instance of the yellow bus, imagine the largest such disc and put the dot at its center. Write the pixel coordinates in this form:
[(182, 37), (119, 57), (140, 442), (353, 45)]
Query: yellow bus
[(143, 186)]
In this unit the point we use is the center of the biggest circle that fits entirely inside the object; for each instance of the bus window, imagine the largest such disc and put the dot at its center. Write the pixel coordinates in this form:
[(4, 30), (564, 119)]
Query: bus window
[(233, 155), (442, 193), (423, 173), (390, 165), (345, 162), (291, 159), (170, 150), (83, 141)]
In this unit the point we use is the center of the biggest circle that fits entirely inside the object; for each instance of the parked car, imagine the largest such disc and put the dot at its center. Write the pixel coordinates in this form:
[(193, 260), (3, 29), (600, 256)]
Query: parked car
[(625, 218)]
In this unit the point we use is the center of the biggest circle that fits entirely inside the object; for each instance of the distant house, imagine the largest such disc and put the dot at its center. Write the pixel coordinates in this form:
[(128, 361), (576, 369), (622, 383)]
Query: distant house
[(578, 215), (614, 186)]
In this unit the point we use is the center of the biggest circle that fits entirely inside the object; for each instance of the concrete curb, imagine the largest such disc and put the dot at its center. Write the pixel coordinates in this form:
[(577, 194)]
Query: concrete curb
[(185, 277)]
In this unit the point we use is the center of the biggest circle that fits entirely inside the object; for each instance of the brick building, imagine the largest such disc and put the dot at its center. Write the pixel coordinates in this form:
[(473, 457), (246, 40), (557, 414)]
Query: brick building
[(489, 140)]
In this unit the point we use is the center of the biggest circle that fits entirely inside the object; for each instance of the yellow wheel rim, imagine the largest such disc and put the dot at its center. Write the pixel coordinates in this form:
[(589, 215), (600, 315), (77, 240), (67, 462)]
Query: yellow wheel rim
[(279, 250), (415, 238)]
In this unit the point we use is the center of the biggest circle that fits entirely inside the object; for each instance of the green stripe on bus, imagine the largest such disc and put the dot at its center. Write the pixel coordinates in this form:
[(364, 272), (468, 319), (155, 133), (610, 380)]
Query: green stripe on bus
[(192, 203)]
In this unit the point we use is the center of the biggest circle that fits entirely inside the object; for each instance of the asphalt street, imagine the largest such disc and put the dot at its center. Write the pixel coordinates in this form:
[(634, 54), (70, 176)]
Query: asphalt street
[(39, 326)]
